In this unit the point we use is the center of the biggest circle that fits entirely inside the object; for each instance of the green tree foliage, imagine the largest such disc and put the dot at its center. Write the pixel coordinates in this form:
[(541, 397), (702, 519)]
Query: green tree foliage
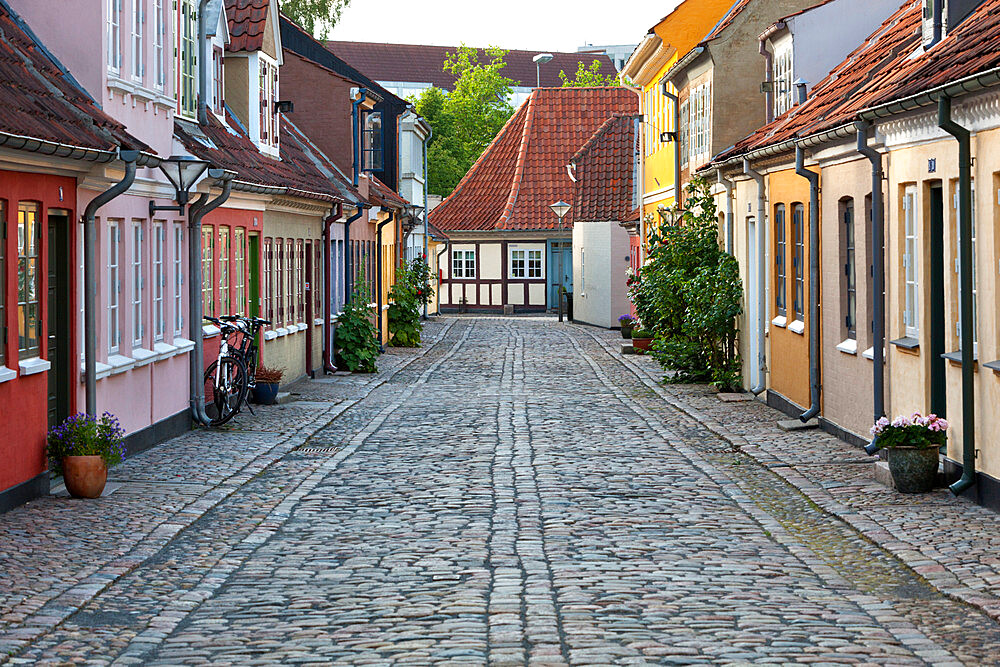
[(411, 291), (689, 293), (356, 341), (317, 17), (467, 119), (588, 77)]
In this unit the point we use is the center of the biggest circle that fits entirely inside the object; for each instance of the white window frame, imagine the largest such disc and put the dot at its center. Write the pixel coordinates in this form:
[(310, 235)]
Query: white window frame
[(784, 93), (218, 75), (700, 126), (460, 259), (178, 295), (159, 279), (685, 131), (583, 270), (114, 36), (159, 37), (187, 59), (138, 281), (114, 286), (958, 274), (535, 270), (223, 249), (911, 263), (138, 30), (518, 263), (268, 95)]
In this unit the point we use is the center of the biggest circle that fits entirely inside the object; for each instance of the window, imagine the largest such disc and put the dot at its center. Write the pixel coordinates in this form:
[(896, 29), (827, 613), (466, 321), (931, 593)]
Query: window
[(911, 310), (958, 268), (290, 281), (798, 261), (187, 97), (780, 253), (3, 282), (114, 35), (159, 37), (583, 271), (371, 141), (268, 288), (159, 281), (700, 122), (29, 241), (178, 279), (300, 282), (138, 27), (685, 132), (225, 305), (137, 285), (784, 95), (317, 286), (207, 275), (240, 270), (534, 263), (518, 268), (279, 291), (849, 294), (335, 290), (268, 75), (217, 90), (463, 264), (114, 285)]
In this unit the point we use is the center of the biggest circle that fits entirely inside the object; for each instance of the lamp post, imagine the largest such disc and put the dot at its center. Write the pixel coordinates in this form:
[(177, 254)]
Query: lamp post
[(182, 171), (540, 60), (560, 208)]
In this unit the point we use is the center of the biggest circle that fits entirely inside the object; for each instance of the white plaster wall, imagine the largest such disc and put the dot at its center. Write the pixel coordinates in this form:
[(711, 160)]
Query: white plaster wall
[(490, 261), (536, 294), (515, 294), (600, 257)]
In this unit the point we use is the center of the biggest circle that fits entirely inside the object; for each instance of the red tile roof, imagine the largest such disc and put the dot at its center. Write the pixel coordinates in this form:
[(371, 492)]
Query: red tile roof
[(247, 22), (886, 67), (416, 63), (304, 145), (604, 169), (231, 149), (524, 169), (381, 194), (40, 100)]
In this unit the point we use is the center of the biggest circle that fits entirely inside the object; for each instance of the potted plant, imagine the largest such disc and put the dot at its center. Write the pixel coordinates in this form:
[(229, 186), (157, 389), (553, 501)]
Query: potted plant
[(911, 445), (265, 390), (641, 340), (627, 323), (82, 447)]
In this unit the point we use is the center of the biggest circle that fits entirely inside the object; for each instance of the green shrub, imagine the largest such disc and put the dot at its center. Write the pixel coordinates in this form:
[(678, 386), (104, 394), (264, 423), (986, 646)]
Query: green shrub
[(410, 292), (356, 341), (689, 294)]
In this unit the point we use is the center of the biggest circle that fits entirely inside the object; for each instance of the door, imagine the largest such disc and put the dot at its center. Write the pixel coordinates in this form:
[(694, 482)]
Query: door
[(309, 287), (560, 270), (753, 292), (59, 317), (253, 277)]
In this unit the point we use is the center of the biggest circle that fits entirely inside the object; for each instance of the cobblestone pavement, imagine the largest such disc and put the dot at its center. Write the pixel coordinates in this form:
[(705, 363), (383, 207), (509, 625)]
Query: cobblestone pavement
[(512, 493)]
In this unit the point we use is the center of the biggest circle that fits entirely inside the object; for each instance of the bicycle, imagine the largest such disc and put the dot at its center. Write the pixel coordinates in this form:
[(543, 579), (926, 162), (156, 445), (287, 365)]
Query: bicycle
[(229, 379)]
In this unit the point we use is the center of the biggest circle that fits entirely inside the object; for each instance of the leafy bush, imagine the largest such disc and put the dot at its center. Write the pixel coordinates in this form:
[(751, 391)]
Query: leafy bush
[(689, 293), (356, 341), (86, 435), (411, 291)]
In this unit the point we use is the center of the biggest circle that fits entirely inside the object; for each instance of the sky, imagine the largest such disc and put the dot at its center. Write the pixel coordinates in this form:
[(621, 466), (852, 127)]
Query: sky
[(545, 25)]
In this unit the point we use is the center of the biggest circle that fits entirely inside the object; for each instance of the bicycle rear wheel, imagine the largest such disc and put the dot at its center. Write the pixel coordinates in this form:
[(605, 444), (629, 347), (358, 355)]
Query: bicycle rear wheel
[(225, 393)]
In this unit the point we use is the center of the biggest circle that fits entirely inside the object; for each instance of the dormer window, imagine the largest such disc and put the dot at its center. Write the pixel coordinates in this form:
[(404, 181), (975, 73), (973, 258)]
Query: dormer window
[(218, 70), (114, 35), (187, 55), (784, 94), (268, 96), (371, 141), (933, 20)]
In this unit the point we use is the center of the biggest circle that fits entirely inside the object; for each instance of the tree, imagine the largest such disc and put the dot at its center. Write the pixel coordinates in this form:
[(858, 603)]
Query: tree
[(468, 118), (317, 17), (588, 77)]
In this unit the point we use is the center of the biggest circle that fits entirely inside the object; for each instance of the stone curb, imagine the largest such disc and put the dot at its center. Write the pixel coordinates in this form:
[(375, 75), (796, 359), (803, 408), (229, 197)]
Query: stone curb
[(934, 572)]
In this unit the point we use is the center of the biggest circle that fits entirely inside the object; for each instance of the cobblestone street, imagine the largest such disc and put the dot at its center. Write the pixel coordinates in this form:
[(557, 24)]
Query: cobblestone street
[(513, 492)]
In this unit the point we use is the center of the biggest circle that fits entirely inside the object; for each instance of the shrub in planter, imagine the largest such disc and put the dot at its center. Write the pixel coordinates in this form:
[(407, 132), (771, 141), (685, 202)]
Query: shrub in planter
[(266, 383), (407, 295), (356, 340), (627, 323), (82, 447), (912, 445), (642, 339)]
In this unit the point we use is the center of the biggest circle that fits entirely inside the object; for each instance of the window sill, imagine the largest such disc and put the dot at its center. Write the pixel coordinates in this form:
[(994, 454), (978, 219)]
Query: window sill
[(302, 326), (33, 365), (281, 331), (780, 321), (209, 330), (870, 353), (120, 363), (797, 326), (849, 346), (183, 345), (7, 374), (164, 351), (271, 334), (318, 321), (955, 358), (102, 371), (992, 365), (143, 356), (906, 343)]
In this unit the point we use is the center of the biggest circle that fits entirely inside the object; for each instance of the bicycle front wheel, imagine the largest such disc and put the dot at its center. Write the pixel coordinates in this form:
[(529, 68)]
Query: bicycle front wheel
[(226, 388)]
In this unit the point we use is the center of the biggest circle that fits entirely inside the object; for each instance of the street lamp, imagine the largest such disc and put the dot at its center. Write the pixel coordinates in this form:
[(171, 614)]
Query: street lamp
[(560, 208), (182, 171), (540, 60)]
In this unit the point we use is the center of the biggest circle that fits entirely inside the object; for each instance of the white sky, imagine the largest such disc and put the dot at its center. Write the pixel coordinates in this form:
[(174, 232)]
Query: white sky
[(545, 25)]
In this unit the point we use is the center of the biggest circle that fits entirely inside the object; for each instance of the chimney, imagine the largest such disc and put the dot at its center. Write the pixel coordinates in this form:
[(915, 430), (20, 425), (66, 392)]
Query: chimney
[(800, 90)]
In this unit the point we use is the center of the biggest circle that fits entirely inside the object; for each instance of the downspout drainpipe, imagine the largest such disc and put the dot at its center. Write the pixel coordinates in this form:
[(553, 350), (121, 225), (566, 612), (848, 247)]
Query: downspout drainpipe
[(676, 104), (761, 385), (960, 133), (814, 325), (768, 79), (328, 366), (348, 259), (202, 63), (378, 271), (728, 185), (878, 276), (355, 103), (196, 212), (427, 227), (90, 275)]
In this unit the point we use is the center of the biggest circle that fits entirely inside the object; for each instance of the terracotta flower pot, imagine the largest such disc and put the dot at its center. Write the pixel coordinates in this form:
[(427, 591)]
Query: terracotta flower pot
[(641, 345), (85, 476), (913, 469)]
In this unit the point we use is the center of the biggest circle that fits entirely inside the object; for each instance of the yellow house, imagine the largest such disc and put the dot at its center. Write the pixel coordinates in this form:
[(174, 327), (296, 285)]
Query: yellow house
[(674, 35)]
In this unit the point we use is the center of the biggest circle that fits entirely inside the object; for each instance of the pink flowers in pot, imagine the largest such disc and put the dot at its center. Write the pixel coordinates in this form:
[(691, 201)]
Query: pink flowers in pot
[(916, 430)]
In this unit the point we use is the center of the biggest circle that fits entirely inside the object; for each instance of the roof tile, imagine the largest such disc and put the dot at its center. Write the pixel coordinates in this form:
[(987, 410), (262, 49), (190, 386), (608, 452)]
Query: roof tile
[(247, 22)]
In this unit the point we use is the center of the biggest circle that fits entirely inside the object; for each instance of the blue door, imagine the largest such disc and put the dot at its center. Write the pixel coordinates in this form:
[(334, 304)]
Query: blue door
[(559, 272)]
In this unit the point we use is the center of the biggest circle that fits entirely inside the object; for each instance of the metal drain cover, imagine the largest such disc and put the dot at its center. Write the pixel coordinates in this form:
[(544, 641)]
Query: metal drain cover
[(316, 450)]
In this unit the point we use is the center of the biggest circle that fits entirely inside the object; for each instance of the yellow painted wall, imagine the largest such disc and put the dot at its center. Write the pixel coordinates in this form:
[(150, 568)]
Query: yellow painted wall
[(389, 263)]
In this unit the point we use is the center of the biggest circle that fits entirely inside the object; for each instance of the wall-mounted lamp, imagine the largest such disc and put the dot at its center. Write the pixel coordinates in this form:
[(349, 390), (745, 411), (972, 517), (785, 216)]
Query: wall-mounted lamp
[(182, 171), (284, 106), (668, 136)]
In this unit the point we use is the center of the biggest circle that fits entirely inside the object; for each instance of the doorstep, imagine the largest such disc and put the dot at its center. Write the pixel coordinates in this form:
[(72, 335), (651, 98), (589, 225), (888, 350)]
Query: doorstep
[(797, 424)]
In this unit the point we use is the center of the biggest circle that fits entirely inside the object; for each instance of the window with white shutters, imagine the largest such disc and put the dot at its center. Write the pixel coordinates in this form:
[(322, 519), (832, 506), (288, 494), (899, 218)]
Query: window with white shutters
[(159, 281), (911, 307), (138, 285), (114, 285), (178, 294)]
